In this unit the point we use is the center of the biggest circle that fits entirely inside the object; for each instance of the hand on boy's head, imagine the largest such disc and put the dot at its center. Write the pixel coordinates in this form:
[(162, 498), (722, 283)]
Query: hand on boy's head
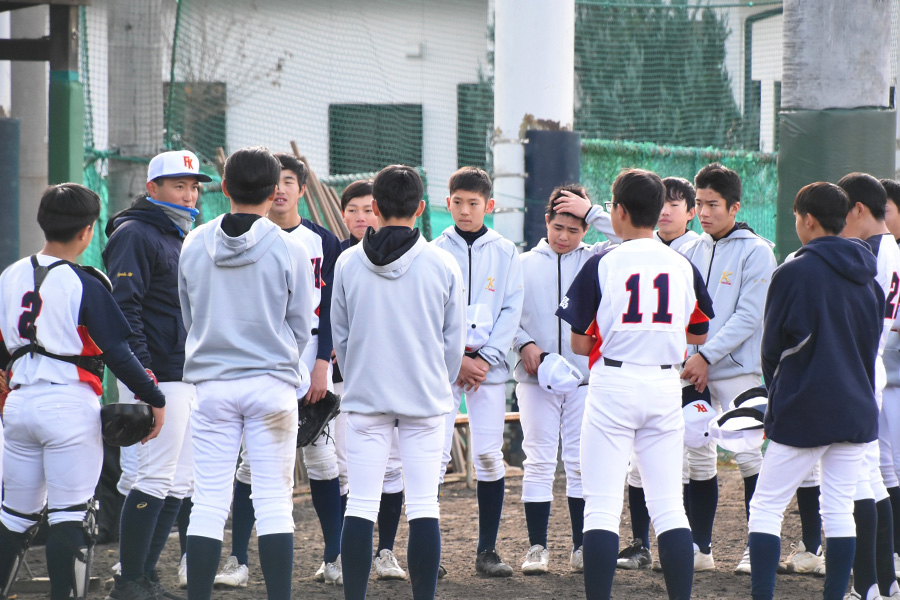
[(573, 204)]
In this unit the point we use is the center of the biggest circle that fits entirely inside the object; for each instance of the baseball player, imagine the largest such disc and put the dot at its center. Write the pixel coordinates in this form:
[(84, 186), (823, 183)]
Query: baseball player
[(672, 230), (823, 323), (872, 508), (493, 276), (142, 258), (358, 216), (737, 265), (398, 315), (323, 248), (56, 320), (889, 419), (632, 310), (548, 414), (243, 270)]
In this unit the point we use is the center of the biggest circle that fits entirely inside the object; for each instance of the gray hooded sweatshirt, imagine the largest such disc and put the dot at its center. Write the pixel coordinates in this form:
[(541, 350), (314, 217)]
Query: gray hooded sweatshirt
[(398, 324), (247, 302)]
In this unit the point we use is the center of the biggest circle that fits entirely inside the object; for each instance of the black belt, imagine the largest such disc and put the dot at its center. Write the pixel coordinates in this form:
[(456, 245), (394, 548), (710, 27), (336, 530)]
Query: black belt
[(609, 362), (315, 331)]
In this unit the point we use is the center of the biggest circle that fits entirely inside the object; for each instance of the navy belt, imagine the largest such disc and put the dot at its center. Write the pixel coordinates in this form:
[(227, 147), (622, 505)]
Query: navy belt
[(609, 362), (315, 331)]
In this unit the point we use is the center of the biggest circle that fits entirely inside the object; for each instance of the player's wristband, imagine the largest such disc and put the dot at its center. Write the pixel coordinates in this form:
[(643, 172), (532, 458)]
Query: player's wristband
[(704, 358)]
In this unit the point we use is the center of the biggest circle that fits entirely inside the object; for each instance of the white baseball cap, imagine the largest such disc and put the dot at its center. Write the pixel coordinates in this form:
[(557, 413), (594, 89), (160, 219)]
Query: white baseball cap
[(479, 324), (557, 375), (177, 163), (698, 412), (741, 428)]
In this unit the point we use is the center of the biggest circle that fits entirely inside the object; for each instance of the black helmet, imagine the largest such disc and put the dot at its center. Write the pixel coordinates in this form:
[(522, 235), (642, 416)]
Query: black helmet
[(125, 424)]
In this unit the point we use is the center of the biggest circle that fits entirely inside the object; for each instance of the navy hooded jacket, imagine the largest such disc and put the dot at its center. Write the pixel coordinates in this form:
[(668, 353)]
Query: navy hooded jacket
[(823, 320), (141, 259)]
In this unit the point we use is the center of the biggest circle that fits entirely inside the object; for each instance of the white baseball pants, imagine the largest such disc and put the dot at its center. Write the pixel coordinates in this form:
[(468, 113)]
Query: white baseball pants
[(393, 474), (53, 451), (486, 408), (632, 407), (702, 461), (262, 410), (785, 467), (164, 465), (889, 436), (369, 441), (545, 417)]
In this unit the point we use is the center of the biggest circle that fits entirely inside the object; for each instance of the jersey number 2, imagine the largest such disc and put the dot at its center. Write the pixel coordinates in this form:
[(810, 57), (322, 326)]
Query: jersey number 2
[(633, 285), (890, 306), (31, 301)]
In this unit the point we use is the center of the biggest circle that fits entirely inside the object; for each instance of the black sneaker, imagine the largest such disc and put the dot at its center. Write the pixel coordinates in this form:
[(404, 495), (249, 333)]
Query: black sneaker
[(489, 564), (129, 590), (151, 583), (634, 557)]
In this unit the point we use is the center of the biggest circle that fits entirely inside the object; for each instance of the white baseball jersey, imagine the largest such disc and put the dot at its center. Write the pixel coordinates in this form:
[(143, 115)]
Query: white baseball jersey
[(887, 257), (81, 320), (638, 299), (313, 245)]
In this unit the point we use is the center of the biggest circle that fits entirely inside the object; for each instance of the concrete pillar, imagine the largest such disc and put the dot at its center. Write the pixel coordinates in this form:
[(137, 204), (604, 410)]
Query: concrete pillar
[(135, 94), (28, 103), (534, 88)]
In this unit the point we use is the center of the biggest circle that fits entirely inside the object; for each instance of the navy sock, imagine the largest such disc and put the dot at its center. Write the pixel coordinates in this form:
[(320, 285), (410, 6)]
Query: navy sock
[(884, 547), (838, 562), (765, 550), (866, 518), (749, 488), (810, 518), (640, 518), (704, 499), (356, 540), (601, 548), (276, 559), (537, 519), (686, 496), (202, 563), (326, 499), (63, 540), (389, 520), (164, 522), (423, 557), (139, 516), (11, 543), (894, 493), (183, 520), (576, 517), (344, 498), (676, 557), (243, 516), (490, 507)]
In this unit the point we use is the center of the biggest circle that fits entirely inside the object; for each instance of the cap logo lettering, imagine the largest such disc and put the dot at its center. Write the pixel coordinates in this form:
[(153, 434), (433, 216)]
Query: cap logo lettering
[(189, 163)]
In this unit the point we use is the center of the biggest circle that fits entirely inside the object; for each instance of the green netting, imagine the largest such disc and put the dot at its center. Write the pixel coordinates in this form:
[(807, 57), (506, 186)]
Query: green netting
[(602, 160)]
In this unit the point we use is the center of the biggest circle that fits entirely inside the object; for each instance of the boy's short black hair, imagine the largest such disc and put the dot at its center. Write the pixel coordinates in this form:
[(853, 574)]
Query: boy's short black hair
[(642, 193), (892, 189), (865, 189), (557, 193), (398, 190), (679, 188), (251, 175), (471, 179), (290, 162), (721, 180), (826, 202), (66, 209), (357, 189)]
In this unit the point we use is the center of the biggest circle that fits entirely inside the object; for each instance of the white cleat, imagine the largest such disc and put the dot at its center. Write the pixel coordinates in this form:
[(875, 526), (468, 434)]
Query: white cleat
[(537, 561), (387, 567), (743, 567), (333, 573), (703, 562), (802, 561), (232, 575), (182, 572), (576, 561)]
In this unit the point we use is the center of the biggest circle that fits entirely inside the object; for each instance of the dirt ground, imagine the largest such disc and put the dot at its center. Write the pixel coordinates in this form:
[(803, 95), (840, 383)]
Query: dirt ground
[(459, 530)]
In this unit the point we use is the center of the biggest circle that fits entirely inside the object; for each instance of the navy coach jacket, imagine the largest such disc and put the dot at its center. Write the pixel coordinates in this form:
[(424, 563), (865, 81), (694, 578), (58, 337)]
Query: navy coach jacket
[(141, 259)]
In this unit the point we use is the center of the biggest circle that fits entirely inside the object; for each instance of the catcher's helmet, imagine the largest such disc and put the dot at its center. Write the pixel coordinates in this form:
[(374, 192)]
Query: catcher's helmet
[(125, 424)]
